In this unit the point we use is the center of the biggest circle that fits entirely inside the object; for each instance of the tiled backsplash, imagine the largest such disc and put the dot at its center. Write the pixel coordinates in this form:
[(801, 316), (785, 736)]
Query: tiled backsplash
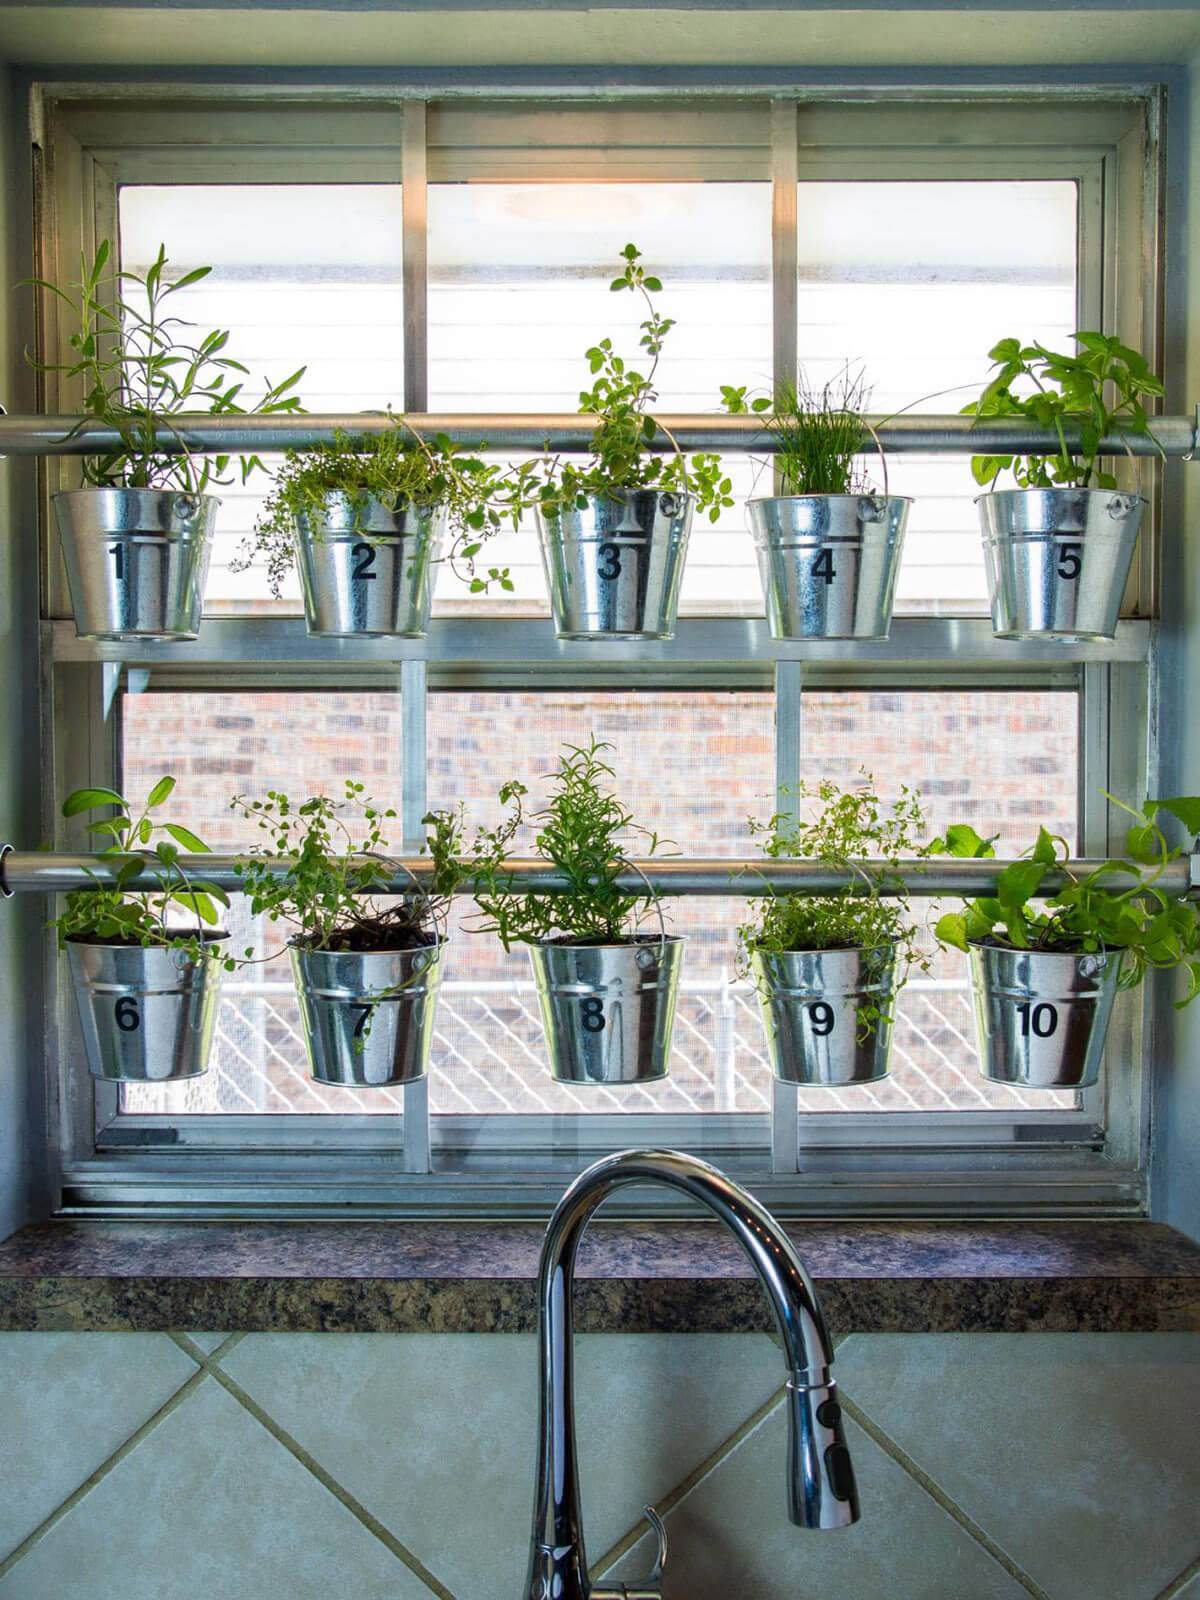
[(399, 1466)]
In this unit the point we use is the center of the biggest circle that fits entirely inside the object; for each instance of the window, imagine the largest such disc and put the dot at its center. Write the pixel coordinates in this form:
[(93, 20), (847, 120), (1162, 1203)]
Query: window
[(455, 258)]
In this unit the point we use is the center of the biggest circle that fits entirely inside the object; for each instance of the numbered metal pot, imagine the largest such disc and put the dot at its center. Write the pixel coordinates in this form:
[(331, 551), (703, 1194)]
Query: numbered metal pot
[(613, 568), (147, 1014), (608, 1009), (368, 1015), (367, 569), (1041, 1016), (1058, 560), (829, 563), (810, 1003), (136, 559)]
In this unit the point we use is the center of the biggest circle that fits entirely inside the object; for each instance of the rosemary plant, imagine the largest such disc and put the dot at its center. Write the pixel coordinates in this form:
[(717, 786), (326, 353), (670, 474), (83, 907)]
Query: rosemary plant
[(142, 367), (583, 832)]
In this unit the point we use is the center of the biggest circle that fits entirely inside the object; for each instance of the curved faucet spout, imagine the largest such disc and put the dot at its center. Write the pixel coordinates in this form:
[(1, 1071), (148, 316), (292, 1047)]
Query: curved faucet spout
[(821, 1492)]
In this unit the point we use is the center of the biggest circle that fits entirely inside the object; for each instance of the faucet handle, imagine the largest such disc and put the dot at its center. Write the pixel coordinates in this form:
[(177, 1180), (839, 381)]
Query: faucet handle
[(645, 1588)]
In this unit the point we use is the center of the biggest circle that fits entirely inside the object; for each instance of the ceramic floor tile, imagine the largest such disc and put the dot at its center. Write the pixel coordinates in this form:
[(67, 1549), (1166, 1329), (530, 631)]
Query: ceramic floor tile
[(731, 1539), (209, 1507), (436, 1434), (68, 1400), (1075, 1452)]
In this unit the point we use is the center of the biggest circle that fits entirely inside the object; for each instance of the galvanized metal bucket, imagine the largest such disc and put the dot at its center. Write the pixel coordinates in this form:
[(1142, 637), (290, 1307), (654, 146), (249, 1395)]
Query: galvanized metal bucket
[(829, 563), (136, 560), (367, 569), (810, 1001), (1041, 1015), (1058, 560), (147, 1014), (368, 1016), (614, 568), (608, 1009)]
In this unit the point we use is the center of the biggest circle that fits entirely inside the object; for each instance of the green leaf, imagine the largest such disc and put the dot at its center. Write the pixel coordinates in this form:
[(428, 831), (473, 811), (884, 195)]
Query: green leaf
[(962, 840), (1018, 883), (188, 839), (89, 799), (1043, 850), (951, 929), (1186, 808), (195, 902), (159, 793)]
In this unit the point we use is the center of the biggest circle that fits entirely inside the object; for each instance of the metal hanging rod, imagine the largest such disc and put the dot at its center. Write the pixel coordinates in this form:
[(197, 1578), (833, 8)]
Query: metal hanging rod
[(35, 871), (568, 433)]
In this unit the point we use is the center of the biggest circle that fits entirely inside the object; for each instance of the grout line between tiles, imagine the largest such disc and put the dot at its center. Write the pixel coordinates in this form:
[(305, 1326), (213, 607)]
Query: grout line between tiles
[(371, 1523), (1192, 1570), (934, 1490), (205, 1358), (103, 1470), (669, 1501)]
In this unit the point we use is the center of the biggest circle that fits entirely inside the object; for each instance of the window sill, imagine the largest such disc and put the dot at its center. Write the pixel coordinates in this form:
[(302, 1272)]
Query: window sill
[(667, 1277)]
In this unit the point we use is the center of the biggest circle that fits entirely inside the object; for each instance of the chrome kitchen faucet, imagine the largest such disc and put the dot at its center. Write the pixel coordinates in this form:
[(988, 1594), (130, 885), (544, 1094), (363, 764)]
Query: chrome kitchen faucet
[(821, 1491)]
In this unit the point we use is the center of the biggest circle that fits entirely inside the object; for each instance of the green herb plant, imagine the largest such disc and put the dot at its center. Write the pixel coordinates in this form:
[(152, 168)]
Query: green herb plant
[(584, 832), (816, 433), (856, 831), (396, 468), (323, 866), (1116, 906), (112, 913), (1100, 389), (141, 366), (623, 456)]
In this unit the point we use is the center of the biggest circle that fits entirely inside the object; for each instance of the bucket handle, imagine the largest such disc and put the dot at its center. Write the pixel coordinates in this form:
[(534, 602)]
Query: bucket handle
[(883, 460), (656, 899), (391, 861)]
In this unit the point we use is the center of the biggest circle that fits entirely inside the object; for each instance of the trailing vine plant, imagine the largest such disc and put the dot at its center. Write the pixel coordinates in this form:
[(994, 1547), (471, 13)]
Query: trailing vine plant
[(856, 831), (397, 468), (1100, 389), (1119, 905), (623, 455), (141, 366), (584, 831), (112, 913)]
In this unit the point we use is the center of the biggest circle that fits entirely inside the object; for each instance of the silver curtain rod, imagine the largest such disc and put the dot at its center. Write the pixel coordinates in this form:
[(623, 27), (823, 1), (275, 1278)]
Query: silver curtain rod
[(566, 433), (37, 872)]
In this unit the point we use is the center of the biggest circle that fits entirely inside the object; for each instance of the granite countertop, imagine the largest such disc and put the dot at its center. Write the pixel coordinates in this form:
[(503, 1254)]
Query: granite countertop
[(473, 1277)]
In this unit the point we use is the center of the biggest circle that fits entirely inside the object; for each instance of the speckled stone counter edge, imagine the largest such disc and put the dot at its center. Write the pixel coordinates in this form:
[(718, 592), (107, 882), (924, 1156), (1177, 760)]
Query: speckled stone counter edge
[(633, 1277)]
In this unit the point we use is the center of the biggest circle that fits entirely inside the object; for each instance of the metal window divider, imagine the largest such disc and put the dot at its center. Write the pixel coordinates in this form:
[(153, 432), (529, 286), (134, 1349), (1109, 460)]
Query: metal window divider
[(413, 805)]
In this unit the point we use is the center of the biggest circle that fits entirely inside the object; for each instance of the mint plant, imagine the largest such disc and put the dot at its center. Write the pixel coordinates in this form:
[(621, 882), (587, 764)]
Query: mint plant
[(141, 366), (322, 872), (397, 468), (815, 434), (115, 914), (621, 397), (585, 832), (858, 832), (1117, 906), (1101, 389)]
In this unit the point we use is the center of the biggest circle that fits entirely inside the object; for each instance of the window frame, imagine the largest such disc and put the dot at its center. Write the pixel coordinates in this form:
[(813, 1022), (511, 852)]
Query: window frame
[(1094, 1158)]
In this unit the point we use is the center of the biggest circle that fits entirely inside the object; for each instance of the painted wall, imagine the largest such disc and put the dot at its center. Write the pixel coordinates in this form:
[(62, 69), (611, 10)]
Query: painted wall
[(396, 1467), (1176, 1128), (22, 1079)]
